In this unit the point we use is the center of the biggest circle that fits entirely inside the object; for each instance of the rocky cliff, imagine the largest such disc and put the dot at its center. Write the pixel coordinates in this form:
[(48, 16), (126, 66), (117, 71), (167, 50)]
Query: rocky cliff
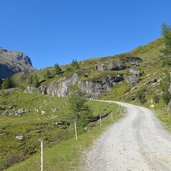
[(12, 62), (62, 87)]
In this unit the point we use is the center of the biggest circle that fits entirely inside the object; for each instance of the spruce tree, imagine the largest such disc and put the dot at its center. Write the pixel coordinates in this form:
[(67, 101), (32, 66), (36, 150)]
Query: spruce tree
[(79, 110)]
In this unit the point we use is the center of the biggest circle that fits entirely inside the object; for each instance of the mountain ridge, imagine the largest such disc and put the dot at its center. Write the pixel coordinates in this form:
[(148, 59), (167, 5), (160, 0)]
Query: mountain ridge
[(12, 62)]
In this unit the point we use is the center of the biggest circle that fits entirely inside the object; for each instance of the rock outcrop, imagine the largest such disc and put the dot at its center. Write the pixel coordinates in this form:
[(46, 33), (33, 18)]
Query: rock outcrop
[(12, 62), (96, 87), (133, 78), (59, 88), (62, 87), (134, 60), (111, 65)]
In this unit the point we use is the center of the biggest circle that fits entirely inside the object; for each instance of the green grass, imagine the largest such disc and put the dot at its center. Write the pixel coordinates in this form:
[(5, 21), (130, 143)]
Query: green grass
[(161, 111), (66, 155), (34, 125)]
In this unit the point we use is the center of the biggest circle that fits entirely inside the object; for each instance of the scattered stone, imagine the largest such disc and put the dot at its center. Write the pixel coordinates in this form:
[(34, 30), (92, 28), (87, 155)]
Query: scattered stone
[(116, 66), (20, 112), (132, 98), (43, 112), (135, 60), (53, 109), (62, 124), (100, 67), (37, 131), (37, 110), (132, 79), (13, 111), (134, 72), (30, 89), (152, 81), (19, 137), (111, 65), (134, 88)]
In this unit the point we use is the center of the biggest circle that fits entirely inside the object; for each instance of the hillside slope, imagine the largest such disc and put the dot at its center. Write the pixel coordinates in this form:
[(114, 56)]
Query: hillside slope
[(117, 77), (40, 110)]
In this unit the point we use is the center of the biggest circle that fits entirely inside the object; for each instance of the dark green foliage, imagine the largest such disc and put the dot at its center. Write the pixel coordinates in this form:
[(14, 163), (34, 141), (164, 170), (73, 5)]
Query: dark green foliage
[(156, 98), (68, 68), (7, 83), (80, 111), (166, 51), (30, 79), (166, 97), (75, 64), (33, 80), (57, 69), (47, 75), (141, 96)]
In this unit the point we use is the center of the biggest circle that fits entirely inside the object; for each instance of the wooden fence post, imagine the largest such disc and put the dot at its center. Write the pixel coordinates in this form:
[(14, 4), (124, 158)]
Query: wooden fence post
[(75, 126), (100, 121), (41, 157)]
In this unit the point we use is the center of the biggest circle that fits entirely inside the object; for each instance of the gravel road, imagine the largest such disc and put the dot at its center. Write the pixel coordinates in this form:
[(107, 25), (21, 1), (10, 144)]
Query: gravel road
[(138, 142)]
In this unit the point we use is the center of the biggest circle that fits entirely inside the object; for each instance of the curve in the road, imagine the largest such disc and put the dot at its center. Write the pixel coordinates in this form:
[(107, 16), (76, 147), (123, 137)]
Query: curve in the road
[(138, 142)]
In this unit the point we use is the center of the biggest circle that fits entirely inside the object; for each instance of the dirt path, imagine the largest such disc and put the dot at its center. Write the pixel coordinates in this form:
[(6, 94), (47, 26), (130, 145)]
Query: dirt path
[(136, 143)]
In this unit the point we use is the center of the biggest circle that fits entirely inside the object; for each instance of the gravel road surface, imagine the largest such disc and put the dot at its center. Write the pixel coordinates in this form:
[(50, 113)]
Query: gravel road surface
[(137, 142)]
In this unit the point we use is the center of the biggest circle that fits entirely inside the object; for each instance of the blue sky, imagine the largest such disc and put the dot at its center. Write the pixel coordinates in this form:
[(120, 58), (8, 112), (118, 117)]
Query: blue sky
[(57, 31)]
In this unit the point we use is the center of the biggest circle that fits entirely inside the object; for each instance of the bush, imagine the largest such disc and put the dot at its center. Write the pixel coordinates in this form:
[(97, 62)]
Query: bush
[(47, 74), (7, 83), (75, 64), (33, 80), (141, 96), (156, 98), (57, 69)]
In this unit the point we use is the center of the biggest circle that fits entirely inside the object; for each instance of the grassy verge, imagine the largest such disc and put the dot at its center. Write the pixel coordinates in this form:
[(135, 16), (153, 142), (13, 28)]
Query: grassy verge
[(66, 155), (164, 116)]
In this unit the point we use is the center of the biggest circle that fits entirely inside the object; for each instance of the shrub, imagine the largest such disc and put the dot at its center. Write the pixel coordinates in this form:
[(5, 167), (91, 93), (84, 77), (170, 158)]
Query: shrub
[(141, 96), (75, 64), (156, 98), (7, 83), (57, 69), (47, 74), (33, 80)]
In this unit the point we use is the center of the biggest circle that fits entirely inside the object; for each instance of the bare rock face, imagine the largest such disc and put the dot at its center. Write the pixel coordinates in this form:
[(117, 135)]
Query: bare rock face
[(100, 67), (96, 87), (30, 89), (62, 87), (116, 66), (111, 65), (134, 77), (12, 62), (134, 60), (59, 88)]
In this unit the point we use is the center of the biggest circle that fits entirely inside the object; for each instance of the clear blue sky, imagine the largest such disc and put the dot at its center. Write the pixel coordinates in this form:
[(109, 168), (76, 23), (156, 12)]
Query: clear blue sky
[(57, 31)]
